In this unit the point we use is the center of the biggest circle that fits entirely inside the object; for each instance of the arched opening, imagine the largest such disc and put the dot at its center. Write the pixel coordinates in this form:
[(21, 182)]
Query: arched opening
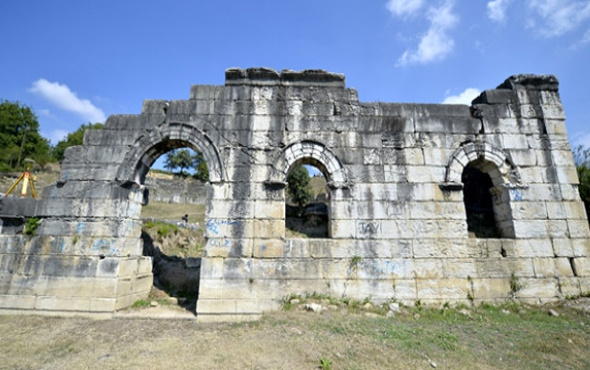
[(307, 200), (175, 174), (490, 177), (479, 205)]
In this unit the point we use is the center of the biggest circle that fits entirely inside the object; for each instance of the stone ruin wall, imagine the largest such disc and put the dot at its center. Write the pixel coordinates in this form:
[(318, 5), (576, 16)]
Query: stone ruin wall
[(177, 191), (397, 220)]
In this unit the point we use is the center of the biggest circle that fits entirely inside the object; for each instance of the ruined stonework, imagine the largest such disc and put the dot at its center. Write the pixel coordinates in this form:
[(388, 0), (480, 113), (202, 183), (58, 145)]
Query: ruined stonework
[(398, 176)]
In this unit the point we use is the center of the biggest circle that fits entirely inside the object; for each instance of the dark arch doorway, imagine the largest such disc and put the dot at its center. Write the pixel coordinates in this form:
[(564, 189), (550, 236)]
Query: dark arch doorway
[(479, 205)]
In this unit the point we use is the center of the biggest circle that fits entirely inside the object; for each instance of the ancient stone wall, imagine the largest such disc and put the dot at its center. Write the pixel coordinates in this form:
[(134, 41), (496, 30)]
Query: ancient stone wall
[(402, 222), (185, 191)]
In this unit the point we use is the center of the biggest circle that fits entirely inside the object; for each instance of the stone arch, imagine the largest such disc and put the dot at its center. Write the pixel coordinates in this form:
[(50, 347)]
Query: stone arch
[(490, 159), (159, 140), (315, 154), (494, 162)]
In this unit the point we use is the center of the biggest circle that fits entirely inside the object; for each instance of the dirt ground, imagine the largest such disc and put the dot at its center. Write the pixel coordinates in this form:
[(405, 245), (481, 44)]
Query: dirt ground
[(486, 337)]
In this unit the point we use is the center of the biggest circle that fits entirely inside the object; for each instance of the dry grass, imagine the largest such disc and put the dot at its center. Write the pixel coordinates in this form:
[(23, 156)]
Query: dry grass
[(524, 338), (42, 179), (169, 211)]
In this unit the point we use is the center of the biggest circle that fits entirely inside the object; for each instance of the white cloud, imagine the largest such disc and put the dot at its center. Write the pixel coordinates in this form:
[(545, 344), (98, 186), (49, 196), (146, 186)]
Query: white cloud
[(580, 138), (585, 40), (57, 135), (436, 44), (557, 17), (403, 8), (46, 113), (497, 10), (463, 98), (62, 97)]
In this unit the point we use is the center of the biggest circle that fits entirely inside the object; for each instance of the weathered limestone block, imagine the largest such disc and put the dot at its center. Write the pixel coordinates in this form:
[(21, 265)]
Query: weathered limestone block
[(569, 287), (544, 267), (267, 248), (578, 228), (564, 267), (297, 248), (533, 248), (431, 210), (582, 265), (562, 248), (537, 288), (581, 247), (269, 228), (490, 288), (459, 268), (17, 302)]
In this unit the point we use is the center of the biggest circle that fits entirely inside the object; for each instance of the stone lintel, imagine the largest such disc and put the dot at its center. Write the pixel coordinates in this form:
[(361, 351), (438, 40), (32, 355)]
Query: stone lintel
[(531, 82), (270, 77)]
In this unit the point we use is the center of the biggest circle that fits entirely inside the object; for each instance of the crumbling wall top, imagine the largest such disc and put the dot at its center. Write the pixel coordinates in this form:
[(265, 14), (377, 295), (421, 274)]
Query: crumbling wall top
[(268, 76), (504, 93), (531, 82)]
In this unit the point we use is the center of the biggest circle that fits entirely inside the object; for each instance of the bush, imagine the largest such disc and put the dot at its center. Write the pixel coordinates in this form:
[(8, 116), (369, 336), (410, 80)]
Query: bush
[(298, 186), (31, 225), (582, 159)]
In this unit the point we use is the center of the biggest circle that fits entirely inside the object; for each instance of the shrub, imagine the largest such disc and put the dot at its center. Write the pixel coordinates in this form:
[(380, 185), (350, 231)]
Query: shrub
[(31, 225)]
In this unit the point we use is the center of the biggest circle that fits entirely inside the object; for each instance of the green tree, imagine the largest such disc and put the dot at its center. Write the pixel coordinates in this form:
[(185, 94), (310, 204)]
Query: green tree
[(299, 187), (73, 138), (20, 137), (178, 158), (582, 159), (200, 166)]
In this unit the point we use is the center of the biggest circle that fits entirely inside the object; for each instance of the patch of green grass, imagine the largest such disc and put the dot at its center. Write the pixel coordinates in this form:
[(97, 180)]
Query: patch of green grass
[(165, 229), (446, 341), (325, 363), (141, 303), (355, 262), (515, 285)]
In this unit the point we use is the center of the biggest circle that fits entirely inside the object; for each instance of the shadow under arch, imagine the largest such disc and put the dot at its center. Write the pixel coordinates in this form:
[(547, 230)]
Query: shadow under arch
[(485, 174), (493, 160), (163, 138)]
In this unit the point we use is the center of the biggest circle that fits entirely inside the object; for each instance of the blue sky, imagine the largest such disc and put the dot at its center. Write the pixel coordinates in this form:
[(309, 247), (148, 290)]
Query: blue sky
[(79, 61)]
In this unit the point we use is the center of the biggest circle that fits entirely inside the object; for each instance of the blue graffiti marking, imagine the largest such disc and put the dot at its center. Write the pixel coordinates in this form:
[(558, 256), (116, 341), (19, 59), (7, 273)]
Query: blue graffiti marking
[(80, 228), (384, 267), (213, 225), (219, 242), (516, 194), (106, 246)]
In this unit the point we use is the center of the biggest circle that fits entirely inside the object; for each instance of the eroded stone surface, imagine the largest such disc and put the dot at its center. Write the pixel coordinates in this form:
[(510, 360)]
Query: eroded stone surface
[(397, 219)]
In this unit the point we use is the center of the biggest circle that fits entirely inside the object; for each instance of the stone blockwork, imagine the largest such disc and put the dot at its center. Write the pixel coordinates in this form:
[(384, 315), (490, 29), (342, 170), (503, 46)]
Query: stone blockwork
[(397, 216), (185, 191)]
